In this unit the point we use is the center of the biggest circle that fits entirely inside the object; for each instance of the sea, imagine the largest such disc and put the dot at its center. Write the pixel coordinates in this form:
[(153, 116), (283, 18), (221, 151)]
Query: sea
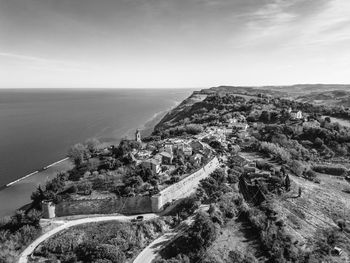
[(37, 127)]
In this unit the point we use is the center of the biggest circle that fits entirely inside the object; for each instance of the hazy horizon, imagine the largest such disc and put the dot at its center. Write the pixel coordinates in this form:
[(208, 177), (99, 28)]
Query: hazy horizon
[(173, 43)]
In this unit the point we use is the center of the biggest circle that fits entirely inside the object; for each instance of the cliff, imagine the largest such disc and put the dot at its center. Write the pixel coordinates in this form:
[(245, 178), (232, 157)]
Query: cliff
[(332, 94), (184, 107)]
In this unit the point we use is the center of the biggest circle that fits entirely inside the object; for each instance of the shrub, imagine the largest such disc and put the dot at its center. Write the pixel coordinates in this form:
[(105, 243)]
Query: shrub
[(16, 233), (232, 178), (297, 167), (186, 207), (84, 187), (92, 144), (72, 189), (333, 170), (310, 175), (196, 239), (78, 153), (277, 151), (239, 257)]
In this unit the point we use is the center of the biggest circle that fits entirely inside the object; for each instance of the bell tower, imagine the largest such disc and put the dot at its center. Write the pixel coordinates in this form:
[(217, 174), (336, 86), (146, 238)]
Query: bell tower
[(138, 135)]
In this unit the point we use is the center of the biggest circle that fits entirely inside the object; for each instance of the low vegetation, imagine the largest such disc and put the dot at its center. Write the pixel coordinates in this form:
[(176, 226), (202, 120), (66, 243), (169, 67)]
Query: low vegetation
[(101, 242), (16, 233)]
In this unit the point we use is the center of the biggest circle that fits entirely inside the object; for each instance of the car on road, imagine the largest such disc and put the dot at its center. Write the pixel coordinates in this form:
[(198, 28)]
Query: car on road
[(137, 219)]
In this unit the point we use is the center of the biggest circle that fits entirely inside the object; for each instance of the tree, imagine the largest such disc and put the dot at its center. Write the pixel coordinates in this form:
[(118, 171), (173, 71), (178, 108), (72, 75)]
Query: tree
[(78, 153), (216, 145), (85, 187), (69, 258), (238, 257), (287, 183), (341, 224), (92, 164), (318, 142), (34, 217), (91, 251), (55, 185), (265, 116), (203, 232), (92, 144), (37, 197), (219, 175)]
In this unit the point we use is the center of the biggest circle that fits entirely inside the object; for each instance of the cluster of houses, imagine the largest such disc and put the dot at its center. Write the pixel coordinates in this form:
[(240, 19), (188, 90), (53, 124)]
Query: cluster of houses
[(232, 126), (155, 156)]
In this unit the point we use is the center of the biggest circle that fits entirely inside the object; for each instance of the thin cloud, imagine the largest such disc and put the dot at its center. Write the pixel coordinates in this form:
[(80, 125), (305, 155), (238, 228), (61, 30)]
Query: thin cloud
[(43, 63)]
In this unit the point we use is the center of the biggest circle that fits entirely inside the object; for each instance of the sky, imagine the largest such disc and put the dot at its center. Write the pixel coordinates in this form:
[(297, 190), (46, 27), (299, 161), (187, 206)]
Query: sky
[(173, 43)]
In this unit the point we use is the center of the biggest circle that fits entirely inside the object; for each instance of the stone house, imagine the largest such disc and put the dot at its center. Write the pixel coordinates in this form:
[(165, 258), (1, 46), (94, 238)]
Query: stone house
[(185, 149), (167, 158), (152, 164)]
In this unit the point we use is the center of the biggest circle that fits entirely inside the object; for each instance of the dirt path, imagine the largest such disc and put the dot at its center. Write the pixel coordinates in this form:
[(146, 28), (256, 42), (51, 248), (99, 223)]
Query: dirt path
[(29, 250)]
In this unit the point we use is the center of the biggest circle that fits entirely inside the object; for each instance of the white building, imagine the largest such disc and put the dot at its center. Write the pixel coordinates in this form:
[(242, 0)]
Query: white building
[(296, 114)]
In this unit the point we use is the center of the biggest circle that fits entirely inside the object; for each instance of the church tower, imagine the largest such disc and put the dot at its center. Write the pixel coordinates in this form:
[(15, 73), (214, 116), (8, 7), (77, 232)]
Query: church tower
[(138, 135)]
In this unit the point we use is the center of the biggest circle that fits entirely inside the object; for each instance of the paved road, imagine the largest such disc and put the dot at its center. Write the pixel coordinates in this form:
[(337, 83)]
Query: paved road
[(149, 253), (29, 250)]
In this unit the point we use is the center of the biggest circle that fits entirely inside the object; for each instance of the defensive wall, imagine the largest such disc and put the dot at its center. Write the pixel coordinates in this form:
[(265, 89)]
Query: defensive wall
[(131, 205), (183, 188)]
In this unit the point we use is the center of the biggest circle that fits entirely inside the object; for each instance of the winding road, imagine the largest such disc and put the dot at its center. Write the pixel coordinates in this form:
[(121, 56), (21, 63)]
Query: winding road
[(29, 250), (149, 253)]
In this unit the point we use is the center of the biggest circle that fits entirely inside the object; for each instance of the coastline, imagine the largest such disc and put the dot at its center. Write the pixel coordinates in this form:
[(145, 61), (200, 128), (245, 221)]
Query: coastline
[(17, 193)]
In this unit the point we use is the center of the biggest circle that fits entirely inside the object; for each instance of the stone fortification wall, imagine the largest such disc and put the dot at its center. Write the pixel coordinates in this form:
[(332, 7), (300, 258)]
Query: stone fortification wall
[(185, 187), (124, 205), (131, 205)]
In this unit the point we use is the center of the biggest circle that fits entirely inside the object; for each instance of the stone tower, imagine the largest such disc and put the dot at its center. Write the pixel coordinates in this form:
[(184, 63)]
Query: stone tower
[(48, 209), (138, 135)]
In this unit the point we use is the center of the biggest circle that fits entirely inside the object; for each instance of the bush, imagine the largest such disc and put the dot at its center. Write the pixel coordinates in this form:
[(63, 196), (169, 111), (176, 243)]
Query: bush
[(78, 153), (277, 151), (310, 175), (72, 189), (333, 170), (16, 233), (92, 144), (297, 167), (85, 187), (196, 240), (327, 240), (186, 207), (239, 257)]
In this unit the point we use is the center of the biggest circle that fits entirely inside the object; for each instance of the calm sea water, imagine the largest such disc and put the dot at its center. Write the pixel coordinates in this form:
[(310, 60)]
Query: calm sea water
[(38, 126)]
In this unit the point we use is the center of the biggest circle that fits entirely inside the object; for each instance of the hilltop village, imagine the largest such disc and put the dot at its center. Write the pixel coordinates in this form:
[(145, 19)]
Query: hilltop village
[(235, 177)]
